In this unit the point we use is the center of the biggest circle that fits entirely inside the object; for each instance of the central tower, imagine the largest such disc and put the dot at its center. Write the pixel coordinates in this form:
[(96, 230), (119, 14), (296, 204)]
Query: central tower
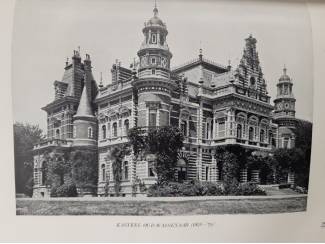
[(154, 85)]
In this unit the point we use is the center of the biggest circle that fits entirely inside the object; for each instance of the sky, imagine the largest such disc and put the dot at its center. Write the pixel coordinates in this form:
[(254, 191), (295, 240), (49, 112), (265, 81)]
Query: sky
[(46, 33)]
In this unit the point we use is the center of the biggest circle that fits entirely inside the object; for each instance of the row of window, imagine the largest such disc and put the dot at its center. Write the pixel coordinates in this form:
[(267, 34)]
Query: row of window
[(106, 129), (207, 131)]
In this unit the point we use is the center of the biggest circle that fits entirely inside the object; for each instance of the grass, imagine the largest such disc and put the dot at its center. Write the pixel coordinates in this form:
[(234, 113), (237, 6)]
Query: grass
[(186, 207)]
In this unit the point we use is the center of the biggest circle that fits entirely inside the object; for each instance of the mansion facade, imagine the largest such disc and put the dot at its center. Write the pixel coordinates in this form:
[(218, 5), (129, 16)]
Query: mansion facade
[(212, 104)]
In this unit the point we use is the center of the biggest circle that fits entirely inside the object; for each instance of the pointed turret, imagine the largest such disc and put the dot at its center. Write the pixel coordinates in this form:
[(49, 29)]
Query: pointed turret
[(285, 100), (84, 108), (85, 123)]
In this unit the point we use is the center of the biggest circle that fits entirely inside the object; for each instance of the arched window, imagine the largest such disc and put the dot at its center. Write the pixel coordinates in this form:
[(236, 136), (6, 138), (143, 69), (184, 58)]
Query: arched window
[(103, 172), (126, 127), (104, 131), (154, 38), (262, 136), (115, 129), (57, 134), (184, 127), (251, 134), (239, 131), (90, 132), (126, 170), (252, 81)]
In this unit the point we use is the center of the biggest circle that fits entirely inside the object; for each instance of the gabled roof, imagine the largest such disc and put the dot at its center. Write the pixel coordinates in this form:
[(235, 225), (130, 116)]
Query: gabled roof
[(200, 60)]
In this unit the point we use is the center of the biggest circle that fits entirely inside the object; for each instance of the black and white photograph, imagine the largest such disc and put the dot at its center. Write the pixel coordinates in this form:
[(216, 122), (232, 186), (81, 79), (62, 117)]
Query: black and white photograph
[(162, 108)]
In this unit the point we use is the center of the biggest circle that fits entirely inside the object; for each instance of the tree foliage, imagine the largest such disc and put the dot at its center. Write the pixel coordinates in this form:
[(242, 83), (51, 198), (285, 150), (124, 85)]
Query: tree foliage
[(84, 167), (25, 136), (117, 155), (164, 142)]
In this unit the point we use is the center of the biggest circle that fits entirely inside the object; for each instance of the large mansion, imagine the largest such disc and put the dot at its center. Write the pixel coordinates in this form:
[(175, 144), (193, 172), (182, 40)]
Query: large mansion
[(212, 104)]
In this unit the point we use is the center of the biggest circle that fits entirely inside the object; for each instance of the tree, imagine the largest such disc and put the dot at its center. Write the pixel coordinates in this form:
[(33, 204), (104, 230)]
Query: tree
[(25, 136), (58, 173), (165, 143), (84, 167), (117, 155)]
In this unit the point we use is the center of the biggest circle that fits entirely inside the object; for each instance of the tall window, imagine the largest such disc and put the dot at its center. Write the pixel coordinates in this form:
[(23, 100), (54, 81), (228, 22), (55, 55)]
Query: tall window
[(153, 71), (90, 132), (104, 131), (270, 137), (43, 173), (57, 134), (262, 136), (74, 131), (115, 129), (285, 142), (207, 178), (152, 117), (151, 168), (251, 134), (184, 127), (126, 170), (154, 38), (208, 131), (126, 126), (221, 129), (103, 172), (239, 131)]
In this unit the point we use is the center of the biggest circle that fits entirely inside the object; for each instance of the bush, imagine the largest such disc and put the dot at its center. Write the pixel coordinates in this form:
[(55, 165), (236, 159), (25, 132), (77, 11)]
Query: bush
[(65, 190), (196, 188), (193, 188)]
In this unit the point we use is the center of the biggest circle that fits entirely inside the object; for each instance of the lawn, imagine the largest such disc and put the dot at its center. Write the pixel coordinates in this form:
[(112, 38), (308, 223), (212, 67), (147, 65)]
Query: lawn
[(143, 207)]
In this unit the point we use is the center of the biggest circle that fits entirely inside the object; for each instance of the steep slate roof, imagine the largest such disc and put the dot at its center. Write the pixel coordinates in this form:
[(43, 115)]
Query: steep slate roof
[(84, 108)]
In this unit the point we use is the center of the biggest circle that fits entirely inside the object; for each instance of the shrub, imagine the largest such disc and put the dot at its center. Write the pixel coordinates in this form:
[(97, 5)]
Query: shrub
[(193, 188), (196, 188), (66, 190), (230, 187)]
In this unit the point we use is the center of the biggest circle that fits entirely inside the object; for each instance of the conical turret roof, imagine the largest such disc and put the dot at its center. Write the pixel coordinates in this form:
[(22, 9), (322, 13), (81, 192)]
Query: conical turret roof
[(84, 108)]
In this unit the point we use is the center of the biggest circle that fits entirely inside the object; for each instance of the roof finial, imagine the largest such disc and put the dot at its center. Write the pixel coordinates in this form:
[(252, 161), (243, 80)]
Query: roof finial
[(284, 69), (200, 51), (67, 62), (229, 64), (155, 10), (79, 50), (101, 80)]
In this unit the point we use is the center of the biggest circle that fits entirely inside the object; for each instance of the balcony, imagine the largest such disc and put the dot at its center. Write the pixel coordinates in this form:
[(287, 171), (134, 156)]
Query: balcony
[(52, 143)]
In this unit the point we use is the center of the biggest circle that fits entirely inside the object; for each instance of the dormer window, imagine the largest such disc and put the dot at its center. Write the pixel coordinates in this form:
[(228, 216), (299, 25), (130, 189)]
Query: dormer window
[(154, 38)]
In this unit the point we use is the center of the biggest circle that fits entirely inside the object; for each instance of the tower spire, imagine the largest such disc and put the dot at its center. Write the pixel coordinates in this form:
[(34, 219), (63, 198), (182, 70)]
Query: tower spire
[(84, 108), (155, 10), (200, 51), (284, 69)]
